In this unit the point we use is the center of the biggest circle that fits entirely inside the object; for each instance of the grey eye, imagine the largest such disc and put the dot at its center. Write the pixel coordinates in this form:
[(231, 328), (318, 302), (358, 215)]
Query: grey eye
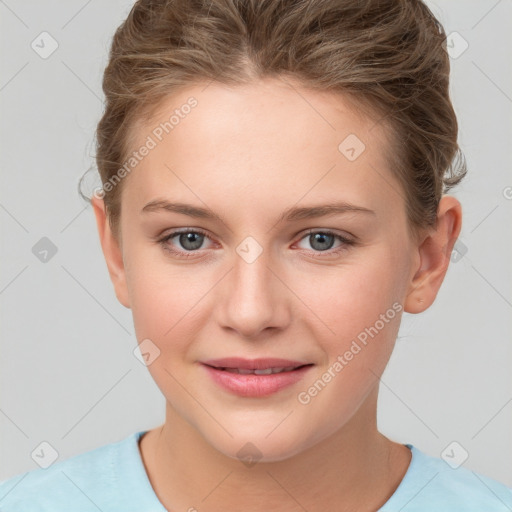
[(190, 240), (321, 241)]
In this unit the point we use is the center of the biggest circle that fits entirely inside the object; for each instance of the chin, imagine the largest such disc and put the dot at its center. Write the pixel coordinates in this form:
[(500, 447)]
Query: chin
[(260, 451), (259, 446)]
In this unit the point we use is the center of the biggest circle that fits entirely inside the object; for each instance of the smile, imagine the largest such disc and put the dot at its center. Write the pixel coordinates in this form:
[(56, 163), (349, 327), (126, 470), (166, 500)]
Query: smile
[(255, 378), (266, 371)]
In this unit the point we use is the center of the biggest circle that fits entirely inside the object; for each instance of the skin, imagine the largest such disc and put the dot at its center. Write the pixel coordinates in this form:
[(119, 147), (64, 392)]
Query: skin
[(248, 153)]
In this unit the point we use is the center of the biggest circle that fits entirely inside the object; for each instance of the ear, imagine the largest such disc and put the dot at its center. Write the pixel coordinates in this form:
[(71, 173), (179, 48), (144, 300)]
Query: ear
[(112, 251), (434, 256)]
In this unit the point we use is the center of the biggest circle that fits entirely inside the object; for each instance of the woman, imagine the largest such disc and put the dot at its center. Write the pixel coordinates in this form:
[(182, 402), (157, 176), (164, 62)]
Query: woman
[(274, 178)]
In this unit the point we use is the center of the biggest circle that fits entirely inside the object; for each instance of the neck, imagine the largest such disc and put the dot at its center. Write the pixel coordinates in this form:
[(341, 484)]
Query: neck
[(356, 468)]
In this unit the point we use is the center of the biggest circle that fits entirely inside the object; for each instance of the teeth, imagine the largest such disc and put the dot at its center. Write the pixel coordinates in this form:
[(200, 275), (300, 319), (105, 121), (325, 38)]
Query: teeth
[(243, 371), (266, 371)]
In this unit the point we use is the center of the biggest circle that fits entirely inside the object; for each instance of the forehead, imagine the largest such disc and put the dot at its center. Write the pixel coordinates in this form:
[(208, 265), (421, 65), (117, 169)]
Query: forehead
[(270, 140)]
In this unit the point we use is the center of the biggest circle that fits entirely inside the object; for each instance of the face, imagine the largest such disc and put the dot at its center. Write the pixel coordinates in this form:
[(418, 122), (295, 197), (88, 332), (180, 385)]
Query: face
[(265, 276)]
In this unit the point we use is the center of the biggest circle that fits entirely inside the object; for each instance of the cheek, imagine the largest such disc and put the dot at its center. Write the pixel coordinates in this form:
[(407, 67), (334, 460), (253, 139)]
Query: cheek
[(165, 303), (163, 307), (361, 306), (353, 297), (162, 296)]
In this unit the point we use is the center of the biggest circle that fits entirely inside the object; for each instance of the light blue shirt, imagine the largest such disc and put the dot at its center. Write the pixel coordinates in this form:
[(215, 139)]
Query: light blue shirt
[(112, 478)]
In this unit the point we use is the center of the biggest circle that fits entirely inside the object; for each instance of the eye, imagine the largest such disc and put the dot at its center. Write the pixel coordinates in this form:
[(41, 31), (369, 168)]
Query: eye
[(189, 240), (323, 240)]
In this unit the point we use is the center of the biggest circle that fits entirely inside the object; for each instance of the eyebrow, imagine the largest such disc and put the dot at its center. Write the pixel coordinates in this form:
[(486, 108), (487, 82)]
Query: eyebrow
[(290, 215)]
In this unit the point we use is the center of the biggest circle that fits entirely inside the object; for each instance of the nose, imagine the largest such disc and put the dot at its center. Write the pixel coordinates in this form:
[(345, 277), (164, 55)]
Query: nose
[(254, 299)]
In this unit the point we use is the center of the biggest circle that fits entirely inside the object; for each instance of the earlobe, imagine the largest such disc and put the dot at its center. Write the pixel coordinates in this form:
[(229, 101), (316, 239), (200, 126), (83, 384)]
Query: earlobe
[(434, 257), (112, 252)]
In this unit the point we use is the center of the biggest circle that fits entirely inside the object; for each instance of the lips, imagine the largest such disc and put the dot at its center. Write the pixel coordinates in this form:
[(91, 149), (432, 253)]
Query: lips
[(266, 371), (238, 363), (257, 377)]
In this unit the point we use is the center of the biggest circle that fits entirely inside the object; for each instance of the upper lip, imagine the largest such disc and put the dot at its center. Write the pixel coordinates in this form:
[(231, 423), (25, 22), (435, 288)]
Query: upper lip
[(253, 364)]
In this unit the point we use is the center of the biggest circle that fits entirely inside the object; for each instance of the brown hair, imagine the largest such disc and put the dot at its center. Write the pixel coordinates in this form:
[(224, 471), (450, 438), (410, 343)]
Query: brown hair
[(388, 56)]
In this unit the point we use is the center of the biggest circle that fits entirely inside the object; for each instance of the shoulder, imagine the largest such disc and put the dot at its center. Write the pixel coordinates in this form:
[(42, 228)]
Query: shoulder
[(430, 483), (88, 481)]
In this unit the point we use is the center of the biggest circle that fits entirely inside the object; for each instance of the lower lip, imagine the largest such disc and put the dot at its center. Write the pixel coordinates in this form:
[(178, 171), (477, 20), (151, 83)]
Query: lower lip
[(252, 385)]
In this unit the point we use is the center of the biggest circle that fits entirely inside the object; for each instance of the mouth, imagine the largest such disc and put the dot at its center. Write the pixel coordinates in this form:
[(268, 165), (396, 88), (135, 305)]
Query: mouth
[(257, 377), (266, 371)]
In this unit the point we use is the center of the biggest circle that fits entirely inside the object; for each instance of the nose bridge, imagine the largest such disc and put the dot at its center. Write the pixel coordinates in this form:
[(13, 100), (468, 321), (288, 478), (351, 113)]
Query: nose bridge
[(253, 300)]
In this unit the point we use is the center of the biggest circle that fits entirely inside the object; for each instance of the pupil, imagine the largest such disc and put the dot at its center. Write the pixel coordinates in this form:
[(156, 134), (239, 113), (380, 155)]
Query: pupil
[(321, 238), (189, 238)]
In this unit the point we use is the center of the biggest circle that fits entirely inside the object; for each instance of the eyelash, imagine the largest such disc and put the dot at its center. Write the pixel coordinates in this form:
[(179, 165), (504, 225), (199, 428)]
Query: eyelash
[(346, 242)]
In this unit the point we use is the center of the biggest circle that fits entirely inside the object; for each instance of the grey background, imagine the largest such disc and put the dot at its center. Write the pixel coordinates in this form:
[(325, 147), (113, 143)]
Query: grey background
[(68, 375)]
